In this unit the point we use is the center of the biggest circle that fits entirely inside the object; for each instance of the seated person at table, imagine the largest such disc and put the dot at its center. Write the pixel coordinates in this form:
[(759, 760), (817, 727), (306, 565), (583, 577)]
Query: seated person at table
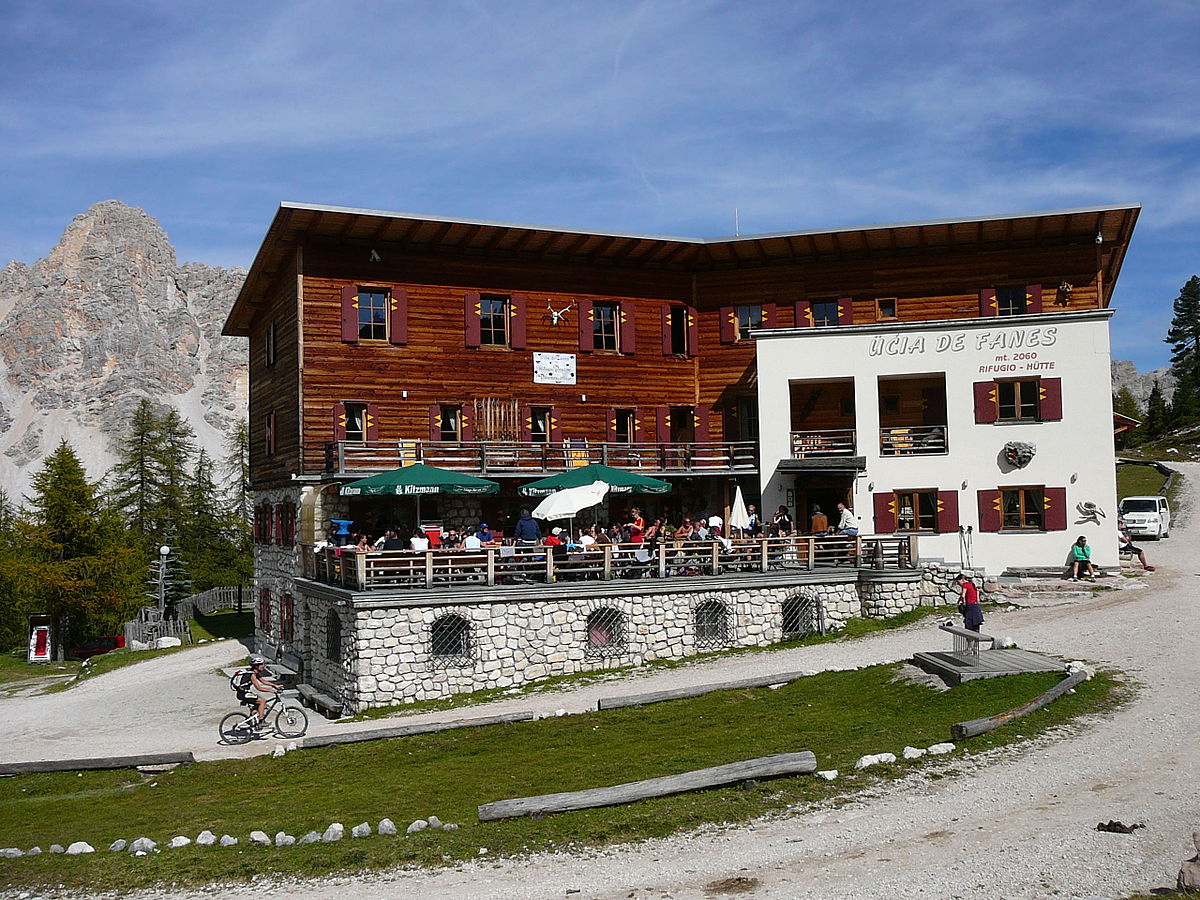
[(600, 535), (848, 522), (755, 526), (391, 540), (451, 539), (554, 539), (781, 523), (485, 534), (819, 523), (472, 542), (419, 542), (527, 531), (587, 538)]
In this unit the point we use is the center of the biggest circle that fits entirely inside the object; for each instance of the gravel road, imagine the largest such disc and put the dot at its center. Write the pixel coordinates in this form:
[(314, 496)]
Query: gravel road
[(1015, 824)]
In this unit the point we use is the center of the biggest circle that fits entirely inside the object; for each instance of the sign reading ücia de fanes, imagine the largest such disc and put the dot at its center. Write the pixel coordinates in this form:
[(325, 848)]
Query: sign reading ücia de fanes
[(960, 341)]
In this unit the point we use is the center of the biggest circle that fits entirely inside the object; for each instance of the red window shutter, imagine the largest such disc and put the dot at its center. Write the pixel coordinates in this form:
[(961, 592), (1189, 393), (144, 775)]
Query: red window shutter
[(555, 425), (350, 313), (289, 533), (526, 423), (1033, 298), (768, 315), (804, 317), (987, 302), (371, 429), (628, 327), (693, 332), (1054, 509), (990, 515), (1050, 399), (639, 432), (435, 422), (662, 424), (516, 318), (611, 430), (947, 512), (845, 310), (666, 330), (885, 512), (258, 524), (587, 339), (279, 524), (398, 317), (986, 410), (729, 326), (339, 421), (471, 312), (700, 423), (466, 424)]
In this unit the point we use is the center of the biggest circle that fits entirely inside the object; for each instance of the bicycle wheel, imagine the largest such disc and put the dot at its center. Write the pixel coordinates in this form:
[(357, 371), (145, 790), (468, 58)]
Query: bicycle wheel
[(235, 728), (291, 722)]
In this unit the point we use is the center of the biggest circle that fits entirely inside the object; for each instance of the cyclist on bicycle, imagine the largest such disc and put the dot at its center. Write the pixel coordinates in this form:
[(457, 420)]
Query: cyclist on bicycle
[(254, 685)]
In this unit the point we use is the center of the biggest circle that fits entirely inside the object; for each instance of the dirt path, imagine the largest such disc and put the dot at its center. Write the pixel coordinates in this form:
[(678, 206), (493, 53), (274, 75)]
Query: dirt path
[(1019, 826)]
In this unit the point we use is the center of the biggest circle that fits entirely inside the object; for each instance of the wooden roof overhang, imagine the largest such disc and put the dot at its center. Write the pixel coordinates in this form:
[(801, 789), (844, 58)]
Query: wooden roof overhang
[(296, 224)]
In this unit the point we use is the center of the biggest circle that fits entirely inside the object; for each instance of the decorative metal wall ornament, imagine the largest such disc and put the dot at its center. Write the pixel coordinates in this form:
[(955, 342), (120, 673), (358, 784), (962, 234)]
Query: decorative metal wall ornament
[(557, 315), (1019, 453), (1089, 513)]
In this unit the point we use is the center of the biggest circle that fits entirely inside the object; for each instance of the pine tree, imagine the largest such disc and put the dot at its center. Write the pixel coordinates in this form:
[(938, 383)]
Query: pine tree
[(208, 533), (1184, 338), (172, 459), (14, 610), (1157, 413), (236, 469), (134, 479), (1126, 404)]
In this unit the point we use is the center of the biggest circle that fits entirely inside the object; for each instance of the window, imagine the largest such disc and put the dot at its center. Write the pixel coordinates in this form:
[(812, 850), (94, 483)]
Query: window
[(356, 422), (748, 317), (333, 637), (889, 404), (712, 624), (605, 326), (916, 510), (1010, 301), (800, 615), (539, 424), (824, 312), (493, 320), (269, 433), (451, 423), (886, 307), (450, 642), (678, 323), (264, 610), (1022, 508), (269, 344), (1017, 400), (747, 418), (682, 424), (287, 618), (372, 314), (626, 426), (605, 632)]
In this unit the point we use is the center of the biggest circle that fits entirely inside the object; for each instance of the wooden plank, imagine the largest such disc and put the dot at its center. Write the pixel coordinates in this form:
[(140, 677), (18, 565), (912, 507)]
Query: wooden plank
[(776, 765), (698, 690), (395, 731), (976, 727), (101, 762)]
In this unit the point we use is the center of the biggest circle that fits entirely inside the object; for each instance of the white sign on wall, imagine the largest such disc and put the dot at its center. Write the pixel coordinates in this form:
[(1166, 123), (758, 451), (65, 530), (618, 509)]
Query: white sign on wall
[(553, 368)]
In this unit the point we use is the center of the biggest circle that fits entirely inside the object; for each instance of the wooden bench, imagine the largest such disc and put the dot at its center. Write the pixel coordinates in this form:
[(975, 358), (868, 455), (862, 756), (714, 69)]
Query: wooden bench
[(322, 703), (966, 643)]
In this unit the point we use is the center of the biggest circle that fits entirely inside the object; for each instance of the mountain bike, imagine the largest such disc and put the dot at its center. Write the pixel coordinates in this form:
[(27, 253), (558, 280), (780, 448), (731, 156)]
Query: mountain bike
[(242, 727)]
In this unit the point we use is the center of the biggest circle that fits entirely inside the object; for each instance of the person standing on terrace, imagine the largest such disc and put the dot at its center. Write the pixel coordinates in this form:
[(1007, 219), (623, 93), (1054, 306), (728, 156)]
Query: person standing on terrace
[(527, 531)]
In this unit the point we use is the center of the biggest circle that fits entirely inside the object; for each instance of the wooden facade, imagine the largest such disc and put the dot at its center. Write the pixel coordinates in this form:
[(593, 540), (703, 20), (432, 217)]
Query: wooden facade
[(681, 373)]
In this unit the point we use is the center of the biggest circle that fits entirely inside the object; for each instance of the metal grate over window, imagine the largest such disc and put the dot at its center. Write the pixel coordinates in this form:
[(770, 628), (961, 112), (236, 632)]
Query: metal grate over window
[(801, 616), (333, 637), (712, 625), (605, 632), (450, 642)]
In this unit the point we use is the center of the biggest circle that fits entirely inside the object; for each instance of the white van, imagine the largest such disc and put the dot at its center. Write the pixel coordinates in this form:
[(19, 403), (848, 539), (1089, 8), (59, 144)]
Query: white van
[(1146, 516)]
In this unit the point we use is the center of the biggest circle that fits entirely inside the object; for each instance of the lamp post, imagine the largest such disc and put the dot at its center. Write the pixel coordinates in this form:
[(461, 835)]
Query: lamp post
[(163, 552)]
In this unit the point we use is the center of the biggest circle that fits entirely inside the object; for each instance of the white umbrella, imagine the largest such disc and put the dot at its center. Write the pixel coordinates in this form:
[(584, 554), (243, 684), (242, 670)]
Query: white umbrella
[(738, 517), (566, 503)]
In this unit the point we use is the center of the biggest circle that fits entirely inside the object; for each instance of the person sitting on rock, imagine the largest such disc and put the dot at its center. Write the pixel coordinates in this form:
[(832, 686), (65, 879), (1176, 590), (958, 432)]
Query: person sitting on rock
[(1081, 560), (1127, 546)]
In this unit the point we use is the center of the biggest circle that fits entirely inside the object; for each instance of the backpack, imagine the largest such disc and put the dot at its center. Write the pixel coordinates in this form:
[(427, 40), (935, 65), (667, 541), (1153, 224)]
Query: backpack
[(240, 683)]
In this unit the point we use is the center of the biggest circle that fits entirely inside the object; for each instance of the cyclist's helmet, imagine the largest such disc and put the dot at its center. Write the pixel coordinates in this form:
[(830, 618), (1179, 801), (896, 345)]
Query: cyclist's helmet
[(257, 660)]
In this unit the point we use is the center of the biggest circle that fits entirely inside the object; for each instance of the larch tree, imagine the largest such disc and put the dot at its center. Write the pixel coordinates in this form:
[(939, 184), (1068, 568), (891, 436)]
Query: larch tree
[(1184, 338)]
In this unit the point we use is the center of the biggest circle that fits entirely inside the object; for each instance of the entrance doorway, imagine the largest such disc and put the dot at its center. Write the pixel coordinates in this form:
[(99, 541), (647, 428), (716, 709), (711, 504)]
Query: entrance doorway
[(823, 491)]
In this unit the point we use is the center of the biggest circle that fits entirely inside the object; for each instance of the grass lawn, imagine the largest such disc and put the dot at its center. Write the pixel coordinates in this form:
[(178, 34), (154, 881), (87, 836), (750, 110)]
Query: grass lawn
[(1139, 481), (838, 715)]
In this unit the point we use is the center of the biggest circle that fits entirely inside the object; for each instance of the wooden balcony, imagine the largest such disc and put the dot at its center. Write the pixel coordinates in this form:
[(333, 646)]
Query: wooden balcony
[(380, 570), (495, 458), (913, 440), (823, 443)]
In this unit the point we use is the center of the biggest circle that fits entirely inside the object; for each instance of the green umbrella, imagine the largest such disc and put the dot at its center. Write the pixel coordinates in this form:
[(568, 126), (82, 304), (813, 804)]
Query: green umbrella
[(418, 479), (619, 481)]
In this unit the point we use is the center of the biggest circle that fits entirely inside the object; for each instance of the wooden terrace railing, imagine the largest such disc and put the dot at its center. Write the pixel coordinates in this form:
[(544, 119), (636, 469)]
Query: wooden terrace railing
[(518, 458), (399, 570), (823, 442)]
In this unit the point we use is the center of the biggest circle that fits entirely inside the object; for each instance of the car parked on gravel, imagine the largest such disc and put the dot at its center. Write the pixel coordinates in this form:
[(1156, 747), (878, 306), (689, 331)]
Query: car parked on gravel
[(97, 646), (1148, 517)]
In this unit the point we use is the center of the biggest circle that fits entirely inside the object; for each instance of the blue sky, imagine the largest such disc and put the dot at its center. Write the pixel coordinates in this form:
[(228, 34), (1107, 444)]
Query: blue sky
[(632, 116)]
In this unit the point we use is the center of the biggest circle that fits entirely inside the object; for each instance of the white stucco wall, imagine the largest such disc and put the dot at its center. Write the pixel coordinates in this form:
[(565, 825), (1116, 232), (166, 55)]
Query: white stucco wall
[(1076, 453)]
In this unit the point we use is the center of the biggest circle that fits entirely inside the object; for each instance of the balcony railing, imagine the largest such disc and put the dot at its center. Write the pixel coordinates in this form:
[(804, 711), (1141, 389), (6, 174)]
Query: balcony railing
[(823, 442), (912, 440), (397, 570), (519, 458)]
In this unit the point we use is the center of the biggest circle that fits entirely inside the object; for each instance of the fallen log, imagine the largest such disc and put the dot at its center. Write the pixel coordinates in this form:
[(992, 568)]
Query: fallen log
[(976, 727), (801, 763), (395, 731), (698, 690), (100, 762)]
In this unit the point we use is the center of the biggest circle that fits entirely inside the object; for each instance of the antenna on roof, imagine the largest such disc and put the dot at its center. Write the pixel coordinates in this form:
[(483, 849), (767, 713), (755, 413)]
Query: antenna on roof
[(737, 227)]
